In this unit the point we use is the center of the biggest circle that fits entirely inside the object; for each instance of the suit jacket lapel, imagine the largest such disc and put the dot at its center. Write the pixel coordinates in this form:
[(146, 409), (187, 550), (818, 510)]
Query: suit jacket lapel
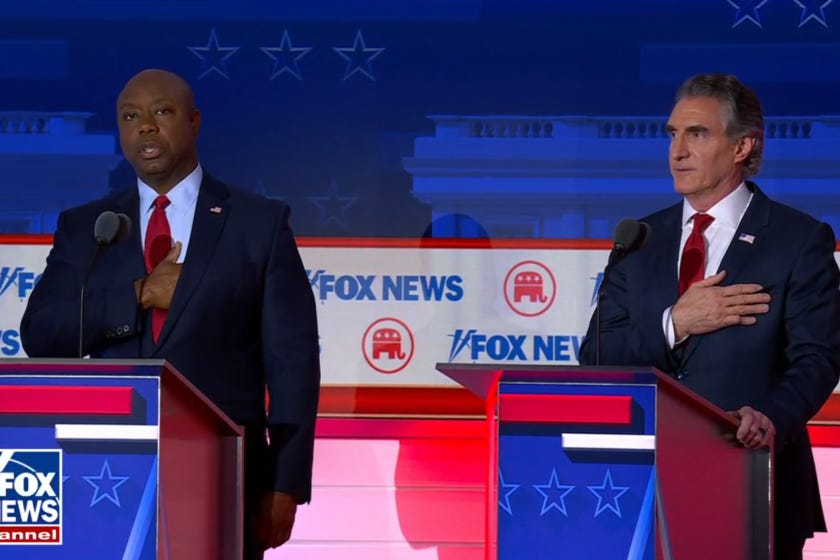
[(662, 259), (211, 213), (130, 251), (742, 249)]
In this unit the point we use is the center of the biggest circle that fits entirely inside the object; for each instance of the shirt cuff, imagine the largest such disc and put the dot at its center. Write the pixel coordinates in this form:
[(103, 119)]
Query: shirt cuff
[(668, 329)]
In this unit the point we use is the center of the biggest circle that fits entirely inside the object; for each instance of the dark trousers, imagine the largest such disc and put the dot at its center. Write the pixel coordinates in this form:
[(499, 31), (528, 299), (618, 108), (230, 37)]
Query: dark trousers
[(788, 548), (251, 553), (258, 477)]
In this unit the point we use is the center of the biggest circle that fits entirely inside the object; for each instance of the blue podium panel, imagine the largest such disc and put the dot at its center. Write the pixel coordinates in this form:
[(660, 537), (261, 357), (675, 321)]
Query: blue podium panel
[(79, 463), (576, 470)]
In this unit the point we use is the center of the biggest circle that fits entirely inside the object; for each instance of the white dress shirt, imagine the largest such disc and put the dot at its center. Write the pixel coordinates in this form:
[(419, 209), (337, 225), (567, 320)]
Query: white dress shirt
[(727, 215), (179, 213)]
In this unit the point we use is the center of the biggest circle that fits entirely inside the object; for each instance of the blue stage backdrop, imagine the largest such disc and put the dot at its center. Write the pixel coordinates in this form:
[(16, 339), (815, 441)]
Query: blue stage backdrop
[(337, 107)]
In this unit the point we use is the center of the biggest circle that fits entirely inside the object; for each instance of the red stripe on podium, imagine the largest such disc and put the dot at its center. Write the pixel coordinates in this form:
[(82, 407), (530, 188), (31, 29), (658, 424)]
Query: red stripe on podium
[(47, 399), (566, 409)]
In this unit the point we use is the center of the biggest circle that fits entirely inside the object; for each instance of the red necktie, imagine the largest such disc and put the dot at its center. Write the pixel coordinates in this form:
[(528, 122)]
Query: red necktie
[(693, 262), (158, 244)]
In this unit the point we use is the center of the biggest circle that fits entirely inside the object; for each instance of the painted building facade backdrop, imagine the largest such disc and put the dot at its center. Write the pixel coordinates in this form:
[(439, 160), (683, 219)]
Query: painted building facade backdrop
[(434, 118)]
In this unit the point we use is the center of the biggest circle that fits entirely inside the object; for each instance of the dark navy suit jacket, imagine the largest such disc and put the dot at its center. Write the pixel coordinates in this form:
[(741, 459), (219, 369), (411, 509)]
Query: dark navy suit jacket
[(242, 316), (786, 365)]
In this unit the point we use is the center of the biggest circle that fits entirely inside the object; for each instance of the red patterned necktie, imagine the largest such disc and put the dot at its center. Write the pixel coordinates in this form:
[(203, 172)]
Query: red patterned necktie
[(693, 262), (158, 244)]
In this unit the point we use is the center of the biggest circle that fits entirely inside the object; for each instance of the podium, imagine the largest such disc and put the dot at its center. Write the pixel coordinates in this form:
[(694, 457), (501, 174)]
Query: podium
[(108, 460), (608, 463)]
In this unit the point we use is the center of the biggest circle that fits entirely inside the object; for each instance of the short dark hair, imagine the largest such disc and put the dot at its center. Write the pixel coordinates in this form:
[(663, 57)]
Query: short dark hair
[(744, 116)]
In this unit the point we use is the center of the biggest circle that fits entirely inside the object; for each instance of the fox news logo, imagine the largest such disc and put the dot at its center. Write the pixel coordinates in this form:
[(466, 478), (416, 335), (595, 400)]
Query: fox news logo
[(360, 287), (599, 279), (30, 496), (498, 347), (17, 280), (9, 342)]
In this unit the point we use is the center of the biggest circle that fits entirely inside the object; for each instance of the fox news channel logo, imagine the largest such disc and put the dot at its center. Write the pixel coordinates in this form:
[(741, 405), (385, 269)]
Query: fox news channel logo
[(387, 287), (9, 342), (30, 496), (16, 281)]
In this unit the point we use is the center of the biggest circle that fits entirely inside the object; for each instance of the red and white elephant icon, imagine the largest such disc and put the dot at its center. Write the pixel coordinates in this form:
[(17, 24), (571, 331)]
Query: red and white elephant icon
[(388, 345), (530, 288), (387, 341), (529, 284)]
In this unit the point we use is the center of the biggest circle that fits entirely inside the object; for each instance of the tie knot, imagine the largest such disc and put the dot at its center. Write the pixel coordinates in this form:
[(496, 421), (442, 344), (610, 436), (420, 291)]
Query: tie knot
[(702, 221), (161, 202)]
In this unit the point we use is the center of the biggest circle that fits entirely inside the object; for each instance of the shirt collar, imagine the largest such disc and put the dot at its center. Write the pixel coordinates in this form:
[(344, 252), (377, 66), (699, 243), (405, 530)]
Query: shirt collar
[(726, 212), (181, 197)]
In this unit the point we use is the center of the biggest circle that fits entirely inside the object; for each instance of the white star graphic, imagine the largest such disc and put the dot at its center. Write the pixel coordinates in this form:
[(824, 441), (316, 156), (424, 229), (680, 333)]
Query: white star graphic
[(553, 486), (358, 57), (746, 10), (608, 495), (213, 57), (109, 482), (810, 9), (333, 206), (507, 490), (285, 57)]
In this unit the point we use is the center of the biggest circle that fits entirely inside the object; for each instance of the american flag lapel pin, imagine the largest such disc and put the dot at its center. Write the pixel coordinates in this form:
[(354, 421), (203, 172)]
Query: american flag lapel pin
[(216, 209), (747, 238)]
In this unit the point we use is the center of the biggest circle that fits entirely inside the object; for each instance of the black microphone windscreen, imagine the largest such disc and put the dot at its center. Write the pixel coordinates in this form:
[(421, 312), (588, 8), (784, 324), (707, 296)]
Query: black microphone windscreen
[(630, 235), (626, 233), (106, 228), (125, 227), (644, 235)]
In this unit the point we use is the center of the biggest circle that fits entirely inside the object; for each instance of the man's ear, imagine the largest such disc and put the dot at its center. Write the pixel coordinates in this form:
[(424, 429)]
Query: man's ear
[(744, 147), (195, 121)]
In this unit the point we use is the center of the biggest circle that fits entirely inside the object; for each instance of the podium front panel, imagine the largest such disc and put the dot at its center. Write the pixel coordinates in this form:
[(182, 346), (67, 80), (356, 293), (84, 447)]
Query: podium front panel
[(78, 466), (576, 470)]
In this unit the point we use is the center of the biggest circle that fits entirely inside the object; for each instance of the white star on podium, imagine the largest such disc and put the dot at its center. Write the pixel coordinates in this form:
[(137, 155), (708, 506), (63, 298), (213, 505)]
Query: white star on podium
[(561, 491), (507, 490), (107, 481), (608, 495)]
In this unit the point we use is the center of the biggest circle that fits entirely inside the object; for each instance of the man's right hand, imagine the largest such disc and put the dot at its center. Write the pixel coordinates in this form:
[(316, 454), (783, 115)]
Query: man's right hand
[(707, 307), (160, 283)]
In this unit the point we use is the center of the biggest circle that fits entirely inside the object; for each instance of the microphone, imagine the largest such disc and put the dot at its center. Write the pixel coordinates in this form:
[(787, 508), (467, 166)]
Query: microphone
[(109, 228), (629, 235)]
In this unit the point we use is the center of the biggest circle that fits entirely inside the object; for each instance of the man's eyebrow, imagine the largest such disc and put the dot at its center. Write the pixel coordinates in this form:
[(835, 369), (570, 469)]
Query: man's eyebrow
[(692, 128)]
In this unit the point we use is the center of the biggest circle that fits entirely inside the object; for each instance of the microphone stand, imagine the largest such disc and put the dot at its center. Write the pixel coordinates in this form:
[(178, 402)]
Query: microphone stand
[(616, 255), (96, 252), (109, 227)]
